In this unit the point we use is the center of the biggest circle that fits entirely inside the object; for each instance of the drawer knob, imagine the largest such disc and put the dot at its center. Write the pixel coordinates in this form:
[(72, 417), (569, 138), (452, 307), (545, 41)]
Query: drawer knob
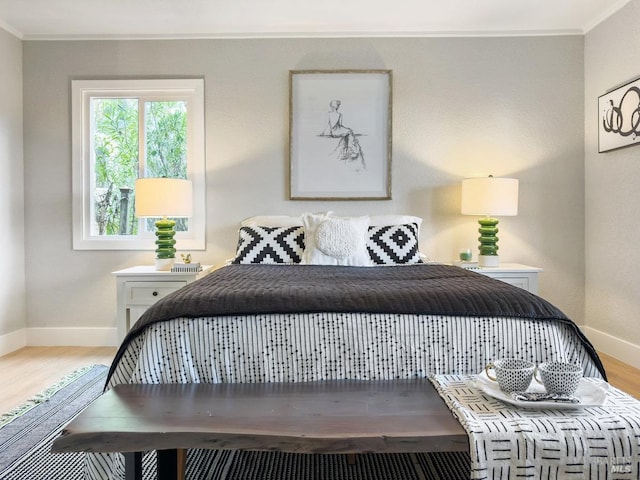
[(155, 294)]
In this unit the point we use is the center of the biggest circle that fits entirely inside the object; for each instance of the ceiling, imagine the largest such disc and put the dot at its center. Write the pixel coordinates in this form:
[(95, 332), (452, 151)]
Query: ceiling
[(115, 19)]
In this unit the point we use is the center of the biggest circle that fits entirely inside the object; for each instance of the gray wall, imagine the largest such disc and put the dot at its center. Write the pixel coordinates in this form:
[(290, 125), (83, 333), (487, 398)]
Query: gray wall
[(12, 266), (612, 57), (462, 107)]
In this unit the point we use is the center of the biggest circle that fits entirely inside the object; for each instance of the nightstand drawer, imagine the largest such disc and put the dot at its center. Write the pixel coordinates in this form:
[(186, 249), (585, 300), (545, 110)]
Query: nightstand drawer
[(522, 282), (516, 274), (522, 276), (148, 293)]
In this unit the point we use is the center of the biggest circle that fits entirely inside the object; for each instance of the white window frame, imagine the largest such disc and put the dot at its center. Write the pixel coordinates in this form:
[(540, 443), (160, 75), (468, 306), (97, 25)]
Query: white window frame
[(82, 91)]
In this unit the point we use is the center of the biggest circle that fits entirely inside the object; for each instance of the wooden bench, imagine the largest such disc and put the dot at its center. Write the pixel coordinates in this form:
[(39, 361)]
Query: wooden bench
[(312, 417)]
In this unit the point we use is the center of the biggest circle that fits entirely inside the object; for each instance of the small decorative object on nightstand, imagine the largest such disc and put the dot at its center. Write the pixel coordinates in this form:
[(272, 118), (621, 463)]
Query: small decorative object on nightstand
[(140, 287), (465, 255), (186, 267)]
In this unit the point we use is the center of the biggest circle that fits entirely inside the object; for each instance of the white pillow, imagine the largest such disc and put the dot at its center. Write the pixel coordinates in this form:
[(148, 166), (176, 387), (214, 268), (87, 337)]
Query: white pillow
[(272, 221), (275, 220), (336, 240), (389, 220), (291, 221)]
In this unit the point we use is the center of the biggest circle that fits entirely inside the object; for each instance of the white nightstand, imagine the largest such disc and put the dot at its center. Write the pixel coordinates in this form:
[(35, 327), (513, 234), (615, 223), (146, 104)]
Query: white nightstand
[(522, 276), (142, 286)]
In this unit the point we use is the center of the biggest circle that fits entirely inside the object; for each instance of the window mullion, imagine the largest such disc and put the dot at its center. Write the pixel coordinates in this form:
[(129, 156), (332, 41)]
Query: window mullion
[(142, 153), (142, 138)]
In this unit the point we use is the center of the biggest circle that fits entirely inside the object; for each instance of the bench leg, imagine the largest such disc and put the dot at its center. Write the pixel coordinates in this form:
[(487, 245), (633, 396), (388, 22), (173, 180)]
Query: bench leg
[(182, 463), (133, 466), (171, 464)]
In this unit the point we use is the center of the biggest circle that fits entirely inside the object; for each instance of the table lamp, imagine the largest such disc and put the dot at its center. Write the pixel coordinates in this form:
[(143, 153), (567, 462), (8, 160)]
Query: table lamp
[(489, 196), (164, 197)]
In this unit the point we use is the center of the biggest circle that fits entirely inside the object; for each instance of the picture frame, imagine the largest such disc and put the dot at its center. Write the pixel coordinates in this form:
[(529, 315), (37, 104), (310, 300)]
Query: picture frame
[(619, 117), (340, 134)]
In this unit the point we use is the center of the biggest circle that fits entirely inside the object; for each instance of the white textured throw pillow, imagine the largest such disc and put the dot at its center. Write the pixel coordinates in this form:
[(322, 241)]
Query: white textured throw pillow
[(336, 240)]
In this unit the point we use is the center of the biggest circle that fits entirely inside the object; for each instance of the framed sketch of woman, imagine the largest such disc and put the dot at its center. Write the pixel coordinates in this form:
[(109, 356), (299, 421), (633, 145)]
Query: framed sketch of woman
[(340, 134)]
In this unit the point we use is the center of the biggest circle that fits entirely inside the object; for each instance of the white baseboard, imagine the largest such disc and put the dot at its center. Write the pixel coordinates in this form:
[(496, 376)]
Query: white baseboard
[(72, 337), (58, 337), (10, 342), (615, 347)]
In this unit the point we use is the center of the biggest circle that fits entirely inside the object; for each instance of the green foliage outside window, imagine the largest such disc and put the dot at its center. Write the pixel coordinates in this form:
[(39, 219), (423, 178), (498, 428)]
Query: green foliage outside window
[(117, 143)]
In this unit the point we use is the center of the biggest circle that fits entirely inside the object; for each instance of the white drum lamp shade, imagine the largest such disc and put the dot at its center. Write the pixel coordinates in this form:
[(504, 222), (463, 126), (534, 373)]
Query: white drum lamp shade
[(164, 197)]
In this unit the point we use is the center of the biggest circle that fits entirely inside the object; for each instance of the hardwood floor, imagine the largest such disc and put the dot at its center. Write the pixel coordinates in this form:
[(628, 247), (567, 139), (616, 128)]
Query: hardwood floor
[(30, 370), (621, 375)]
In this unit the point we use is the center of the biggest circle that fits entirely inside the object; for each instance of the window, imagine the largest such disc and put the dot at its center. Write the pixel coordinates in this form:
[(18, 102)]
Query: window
[(129, 129)]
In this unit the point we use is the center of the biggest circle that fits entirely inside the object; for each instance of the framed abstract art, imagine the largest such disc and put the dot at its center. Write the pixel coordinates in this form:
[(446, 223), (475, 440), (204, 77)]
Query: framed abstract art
[(619, 117)]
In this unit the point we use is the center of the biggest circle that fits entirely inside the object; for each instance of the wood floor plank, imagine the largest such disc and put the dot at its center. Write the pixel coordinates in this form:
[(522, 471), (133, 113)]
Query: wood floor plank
[(28, 371), (621, 375)]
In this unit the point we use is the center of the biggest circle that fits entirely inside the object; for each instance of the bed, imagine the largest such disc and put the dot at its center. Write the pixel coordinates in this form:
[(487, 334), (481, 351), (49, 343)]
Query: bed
[(303, 301)]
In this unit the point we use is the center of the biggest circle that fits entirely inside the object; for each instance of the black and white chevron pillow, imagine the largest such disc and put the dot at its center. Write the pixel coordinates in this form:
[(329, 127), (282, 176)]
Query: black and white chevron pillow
[(270, 245), (394, 244)]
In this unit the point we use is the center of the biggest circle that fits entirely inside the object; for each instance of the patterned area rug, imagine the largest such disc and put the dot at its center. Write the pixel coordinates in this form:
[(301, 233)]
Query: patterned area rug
[(27, 432), (26, 435), (239, 465)]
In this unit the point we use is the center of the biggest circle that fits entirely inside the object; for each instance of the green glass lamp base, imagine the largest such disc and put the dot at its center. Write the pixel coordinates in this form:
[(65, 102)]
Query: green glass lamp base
[(488, 248), (165, 250)]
